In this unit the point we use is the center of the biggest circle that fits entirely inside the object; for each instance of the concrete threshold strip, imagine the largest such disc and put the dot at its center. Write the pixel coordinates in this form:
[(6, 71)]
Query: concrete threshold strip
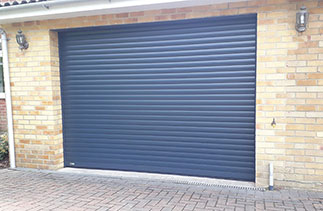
[(154, 177)]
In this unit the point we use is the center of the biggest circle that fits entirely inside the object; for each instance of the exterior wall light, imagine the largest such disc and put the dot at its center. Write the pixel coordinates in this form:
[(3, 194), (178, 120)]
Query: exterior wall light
[(21, 40), (301, 19), (273, 123)]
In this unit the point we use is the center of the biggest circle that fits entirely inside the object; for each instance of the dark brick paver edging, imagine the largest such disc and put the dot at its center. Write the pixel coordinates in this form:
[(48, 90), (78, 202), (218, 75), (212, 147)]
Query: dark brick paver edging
[(31, 190)]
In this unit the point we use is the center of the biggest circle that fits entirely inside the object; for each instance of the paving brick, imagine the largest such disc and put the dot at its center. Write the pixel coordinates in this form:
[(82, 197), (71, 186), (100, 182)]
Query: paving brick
[(28, 190)]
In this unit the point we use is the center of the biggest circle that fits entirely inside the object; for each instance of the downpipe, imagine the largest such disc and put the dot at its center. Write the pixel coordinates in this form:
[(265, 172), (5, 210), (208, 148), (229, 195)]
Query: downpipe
[(271, 176), (6, 76)]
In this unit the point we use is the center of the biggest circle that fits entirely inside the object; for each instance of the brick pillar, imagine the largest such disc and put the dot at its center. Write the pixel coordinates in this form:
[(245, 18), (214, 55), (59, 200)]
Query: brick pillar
[(36, 100)]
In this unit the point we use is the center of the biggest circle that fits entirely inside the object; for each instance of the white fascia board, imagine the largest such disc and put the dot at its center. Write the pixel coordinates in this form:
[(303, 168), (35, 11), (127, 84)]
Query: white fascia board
[(75, 8)]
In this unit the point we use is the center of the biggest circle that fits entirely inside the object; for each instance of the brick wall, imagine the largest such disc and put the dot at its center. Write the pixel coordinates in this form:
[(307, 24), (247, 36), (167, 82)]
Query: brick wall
[(3, 116), (289, 87)]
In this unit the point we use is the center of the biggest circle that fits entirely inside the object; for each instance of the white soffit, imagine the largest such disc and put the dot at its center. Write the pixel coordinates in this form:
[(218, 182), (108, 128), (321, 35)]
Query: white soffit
[(56, 9)]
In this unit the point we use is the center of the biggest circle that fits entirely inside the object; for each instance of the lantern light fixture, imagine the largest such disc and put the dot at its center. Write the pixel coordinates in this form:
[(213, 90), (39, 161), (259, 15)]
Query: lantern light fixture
[(301, 19), (21, 40)]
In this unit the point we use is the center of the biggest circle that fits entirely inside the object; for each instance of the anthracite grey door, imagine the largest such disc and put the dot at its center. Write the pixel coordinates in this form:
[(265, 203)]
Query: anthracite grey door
[(175, 97)]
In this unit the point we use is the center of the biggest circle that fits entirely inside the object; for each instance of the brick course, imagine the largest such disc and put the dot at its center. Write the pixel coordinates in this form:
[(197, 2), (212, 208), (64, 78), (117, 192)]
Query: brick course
[(289, 86)]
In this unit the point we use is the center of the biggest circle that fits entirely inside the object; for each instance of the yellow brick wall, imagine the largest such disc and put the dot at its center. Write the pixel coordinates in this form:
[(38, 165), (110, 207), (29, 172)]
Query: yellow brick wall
[(36, 101), (289, 87)]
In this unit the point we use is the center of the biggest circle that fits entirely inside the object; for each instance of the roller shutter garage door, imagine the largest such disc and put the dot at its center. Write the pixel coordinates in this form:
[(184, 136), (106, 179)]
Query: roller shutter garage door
[(174, 97)]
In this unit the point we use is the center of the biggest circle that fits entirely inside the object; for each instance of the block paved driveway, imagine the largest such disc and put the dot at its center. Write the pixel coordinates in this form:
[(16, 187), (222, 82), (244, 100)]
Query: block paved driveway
[(33, 190)]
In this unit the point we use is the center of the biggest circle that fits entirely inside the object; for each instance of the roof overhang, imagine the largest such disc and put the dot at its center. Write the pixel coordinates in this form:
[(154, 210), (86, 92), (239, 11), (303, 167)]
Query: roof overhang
[(56, 9)]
